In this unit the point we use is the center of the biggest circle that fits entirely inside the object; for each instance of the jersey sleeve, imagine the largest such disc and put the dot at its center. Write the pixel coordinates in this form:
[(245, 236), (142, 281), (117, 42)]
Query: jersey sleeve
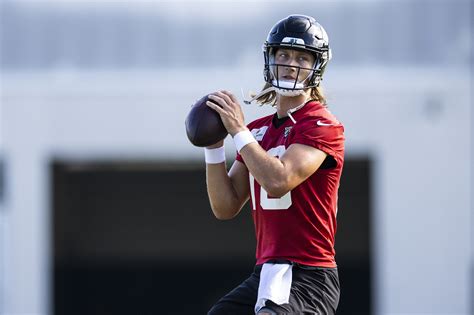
[(324, 135)]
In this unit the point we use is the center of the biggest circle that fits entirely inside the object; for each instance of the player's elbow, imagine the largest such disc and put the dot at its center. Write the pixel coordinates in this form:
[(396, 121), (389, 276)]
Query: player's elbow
[(223, 214), (277, 189), (277, 193), (223, 217)]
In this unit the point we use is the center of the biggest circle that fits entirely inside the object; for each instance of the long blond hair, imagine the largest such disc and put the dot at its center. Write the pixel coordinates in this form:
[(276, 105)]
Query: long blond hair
[(317, 94)]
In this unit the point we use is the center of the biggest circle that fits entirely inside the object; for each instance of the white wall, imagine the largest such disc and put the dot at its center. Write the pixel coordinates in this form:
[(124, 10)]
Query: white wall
[(415, 123)]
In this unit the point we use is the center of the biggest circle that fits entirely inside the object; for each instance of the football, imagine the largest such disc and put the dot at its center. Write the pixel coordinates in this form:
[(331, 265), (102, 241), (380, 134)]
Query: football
[(204, 126)]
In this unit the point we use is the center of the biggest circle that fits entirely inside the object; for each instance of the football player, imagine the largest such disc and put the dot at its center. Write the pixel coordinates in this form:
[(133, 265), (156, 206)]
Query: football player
[(289, 165)]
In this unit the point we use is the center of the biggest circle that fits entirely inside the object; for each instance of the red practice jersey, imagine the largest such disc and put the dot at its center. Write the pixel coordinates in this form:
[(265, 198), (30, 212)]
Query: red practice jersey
[(301, 225)]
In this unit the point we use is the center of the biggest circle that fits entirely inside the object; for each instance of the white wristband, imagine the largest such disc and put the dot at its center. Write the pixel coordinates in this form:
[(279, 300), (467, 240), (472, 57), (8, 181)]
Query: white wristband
[(214, 156), (242, 138)]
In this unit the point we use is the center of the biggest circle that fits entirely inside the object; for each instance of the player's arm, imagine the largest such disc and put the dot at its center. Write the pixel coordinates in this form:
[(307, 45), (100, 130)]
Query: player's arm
[(227, 191), (278, 176)]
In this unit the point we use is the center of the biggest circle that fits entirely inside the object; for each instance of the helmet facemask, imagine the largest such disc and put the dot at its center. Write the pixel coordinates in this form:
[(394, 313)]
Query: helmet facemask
[(298, 78)]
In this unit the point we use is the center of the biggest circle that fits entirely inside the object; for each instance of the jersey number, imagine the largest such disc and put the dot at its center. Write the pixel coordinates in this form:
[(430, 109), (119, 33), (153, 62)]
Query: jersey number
[(267, 203)]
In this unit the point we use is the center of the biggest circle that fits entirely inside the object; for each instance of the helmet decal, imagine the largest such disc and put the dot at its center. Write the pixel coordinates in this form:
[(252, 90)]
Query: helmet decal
[(292, 40)]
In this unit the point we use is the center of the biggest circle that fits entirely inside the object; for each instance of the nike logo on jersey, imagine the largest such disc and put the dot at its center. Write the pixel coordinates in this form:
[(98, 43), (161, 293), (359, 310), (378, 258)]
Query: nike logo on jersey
[(320, 123)]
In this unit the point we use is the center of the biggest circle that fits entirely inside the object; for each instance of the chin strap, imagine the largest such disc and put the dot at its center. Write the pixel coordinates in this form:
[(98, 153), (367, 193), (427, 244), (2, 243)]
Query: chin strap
[(294, 109), (281, 87), (288, 88)]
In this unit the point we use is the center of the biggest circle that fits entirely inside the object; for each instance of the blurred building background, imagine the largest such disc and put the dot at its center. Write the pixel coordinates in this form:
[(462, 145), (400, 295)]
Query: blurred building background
[(103, 208)]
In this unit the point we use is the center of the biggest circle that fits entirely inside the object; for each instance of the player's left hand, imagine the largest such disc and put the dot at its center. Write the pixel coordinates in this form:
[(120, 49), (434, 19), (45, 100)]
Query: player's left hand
[(229, 109)]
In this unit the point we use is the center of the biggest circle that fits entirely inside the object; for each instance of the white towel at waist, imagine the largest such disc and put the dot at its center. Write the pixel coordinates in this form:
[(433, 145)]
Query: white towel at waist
[(275, 284)]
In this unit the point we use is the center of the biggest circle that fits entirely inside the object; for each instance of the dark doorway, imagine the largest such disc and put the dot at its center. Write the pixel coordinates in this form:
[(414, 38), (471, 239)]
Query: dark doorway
[(353, 238), (139, 238)]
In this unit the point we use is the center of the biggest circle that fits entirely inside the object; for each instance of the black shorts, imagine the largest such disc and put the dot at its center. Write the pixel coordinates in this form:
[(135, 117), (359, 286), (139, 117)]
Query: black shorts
[(314, 290)]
